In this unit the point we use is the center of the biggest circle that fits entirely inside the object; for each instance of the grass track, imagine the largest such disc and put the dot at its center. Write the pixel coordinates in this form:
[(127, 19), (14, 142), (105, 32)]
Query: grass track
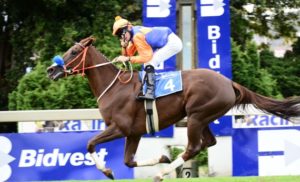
[(214, 179)]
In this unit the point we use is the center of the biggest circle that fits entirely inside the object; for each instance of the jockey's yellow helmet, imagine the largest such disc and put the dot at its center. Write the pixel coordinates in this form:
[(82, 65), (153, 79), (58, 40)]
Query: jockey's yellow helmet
[(119, 23)]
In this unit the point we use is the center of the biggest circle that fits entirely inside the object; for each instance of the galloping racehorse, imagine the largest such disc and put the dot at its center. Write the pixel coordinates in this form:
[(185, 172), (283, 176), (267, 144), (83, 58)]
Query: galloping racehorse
[(206, 96)]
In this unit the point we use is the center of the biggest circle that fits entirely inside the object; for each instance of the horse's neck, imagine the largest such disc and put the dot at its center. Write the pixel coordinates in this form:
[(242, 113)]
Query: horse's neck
[(101, 77)]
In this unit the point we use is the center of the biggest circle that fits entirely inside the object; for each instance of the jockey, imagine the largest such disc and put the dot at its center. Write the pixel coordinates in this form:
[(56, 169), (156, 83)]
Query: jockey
[(154, 45)]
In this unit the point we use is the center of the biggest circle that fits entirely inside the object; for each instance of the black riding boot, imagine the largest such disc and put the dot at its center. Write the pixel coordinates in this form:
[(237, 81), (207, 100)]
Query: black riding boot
[(150, 83)]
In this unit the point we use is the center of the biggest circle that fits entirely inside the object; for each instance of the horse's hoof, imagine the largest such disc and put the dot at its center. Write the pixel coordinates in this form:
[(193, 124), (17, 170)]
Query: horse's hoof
[(108, 173), (157, 179), (164, 159)]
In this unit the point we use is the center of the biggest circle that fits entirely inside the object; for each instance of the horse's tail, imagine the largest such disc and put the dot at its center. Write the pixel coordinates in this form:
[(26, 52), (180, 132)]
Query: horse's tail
[(288, 108)]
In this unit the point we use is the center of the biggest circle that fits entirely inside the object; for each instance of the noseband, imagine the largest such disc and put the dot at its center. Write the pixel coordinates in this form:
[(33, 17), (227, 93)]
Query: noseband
[(76, 69)]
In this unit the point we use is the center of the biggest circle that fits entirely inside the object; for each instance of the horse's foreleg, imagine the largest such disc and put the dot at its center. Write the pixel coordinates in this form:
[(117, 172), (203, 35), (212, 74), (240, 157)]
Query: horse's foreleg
[(130, 150), (110, 133)]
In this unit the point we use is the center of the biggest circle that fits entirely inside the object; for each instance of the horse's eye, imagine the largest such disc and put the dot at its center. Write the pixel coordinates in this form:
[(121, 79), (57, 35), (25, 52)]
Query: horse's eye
[(73, 52)]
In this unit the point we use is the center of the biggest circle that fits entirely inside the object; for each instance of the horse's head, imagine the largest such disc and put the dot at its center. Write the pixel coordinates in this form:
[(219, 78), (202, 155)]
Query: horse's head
[(72, 62)]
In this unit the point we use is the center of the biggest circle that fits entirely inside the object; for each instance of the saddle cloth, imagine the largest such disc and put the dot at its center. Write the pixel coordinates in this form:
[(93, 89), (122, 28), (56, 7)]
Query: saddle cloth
[(166, 83)]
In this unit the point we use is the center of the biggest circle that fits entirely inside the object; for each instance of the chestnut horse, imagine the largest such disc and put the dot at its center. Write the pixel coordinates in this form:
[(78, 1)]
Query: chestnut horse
[(206, 96)]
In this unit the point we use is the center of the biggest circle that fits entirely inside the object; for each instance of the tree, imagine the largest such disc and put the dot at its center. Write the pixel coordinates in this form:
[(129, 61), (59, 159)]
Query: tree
[(36, 91), (263, 72), (285, 70), (33, 31), (248, 71), (270, 18)]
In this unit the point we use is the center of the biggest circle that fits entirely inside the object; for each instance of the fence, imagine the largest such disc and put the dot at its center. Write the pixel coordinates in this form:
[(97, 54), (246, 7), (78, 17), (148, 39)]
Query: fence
[(81, 114), (42, 115)]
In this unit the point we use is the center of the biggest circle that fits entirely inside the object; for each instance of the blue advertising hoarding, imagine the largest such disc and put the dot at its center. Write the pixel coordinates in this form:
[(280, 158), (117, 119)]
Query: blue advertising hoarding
[(57, 156), (222, 126), (213, 27), (99, 125), (265, 145), (214, 49)]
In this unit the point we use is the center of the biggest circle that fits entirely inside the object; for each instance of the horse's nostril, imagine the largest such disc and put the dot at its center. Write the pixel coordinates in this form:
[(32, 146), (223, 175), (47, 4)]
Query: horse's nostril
[(50, 70)]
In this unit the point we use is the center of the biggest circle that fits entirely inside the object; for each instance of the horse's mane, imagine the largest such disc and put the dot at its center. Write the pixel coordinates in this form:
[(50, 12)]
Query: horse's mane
[(102, 55), (90, 40), (108, 60)]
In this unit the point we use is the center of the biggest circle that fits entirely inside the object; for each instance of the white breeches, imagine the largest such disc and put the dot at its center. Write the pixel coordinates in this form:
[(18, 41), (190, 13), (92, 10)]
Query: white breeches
[(173, 46)]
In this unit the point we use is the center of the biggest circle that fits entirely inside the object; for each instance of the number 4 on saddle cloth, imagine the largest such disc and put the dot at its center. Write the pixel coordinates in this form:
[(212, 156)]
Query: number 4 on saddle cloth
[(166, 83)]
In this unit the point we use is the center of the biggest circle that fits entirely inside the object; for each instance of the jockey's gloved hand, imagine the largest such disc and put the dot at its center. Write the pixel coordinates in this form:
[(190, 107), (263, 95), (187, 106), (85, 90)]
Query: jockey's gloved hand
[(123, 59)]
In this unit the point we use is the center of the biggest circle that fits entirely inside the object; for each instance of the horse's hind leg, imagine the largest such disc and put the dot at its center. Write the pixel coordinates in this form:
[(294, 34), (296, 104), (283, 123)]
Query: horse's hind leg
[(195, 135), (132, 143), (208, 139), (130, 150)]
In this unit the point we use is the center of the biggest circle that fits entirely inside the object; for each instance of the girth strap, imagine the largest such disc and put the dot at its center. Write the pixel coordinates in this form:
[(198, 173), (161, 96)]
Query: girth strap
[(152, 125)]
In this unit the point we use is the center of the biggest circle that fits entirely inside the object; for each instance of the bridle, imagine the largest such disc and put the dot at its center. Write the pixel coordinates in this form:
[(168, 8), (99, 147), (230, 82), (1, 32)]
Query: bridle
[(76, 69)]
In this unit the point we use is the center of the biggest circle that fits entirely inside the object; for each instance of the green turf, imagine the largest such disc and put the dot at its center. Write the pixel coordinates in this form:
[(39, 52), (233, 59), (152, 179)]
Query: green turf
[(214, 179)]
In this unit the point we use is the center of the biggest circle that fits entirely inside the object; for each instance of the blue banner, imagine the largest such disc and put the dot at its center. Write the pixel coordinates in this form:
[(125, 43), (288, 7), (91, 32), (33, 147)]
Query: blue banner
[(266, 151), (99, 124), (161, 13), (222, 126), (213, 26), (57, 156)]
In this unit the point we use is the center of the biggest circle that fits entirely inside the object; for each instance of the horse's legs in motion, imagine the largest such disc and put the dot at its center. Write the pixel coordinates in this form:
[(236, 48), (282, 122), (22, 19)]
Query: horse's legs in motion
[(195, 131), (154, 161), (207, 139), (110, 133), (130, 150)]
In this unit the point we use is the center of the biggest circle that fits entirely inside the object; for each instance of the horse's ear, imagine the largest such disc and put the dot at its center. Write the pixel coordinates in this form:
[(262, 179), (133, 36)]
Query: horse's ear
[(89, 41)]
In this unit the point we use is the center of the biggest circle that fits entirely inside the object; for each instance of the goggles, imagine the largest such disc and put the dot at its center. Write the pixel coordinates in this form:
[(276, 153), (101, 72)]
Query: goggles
[(121, 32)]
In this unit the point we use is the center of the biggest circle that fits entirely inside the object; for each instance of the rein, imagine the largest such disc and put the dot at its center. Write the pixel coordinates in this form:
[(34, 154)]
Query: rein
[(82, 62), (108, 87), (77, 70)]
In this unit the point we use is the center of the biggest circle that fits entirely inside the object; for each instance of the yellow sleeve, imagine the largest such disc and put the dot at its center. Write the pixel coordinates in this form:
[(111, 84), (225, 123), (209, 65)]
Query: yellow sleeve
[(144, 50)]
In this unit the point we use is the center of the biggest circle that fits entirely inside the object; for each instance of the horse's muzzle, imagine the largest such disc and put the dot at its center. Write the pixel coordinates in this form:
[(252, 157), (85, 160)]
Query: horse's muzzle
[(55, 72)]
